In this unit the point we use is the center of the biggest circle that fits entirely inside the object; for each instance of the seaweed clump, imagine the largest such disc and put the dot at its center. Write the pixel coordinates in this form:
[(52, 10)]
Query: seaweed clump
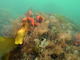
[(52, 39)]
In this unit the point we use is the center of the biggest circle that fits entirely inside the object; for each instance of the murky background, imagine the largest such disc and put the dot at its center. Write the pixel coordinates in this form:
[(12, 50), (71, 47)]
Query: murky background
[(12, 9)]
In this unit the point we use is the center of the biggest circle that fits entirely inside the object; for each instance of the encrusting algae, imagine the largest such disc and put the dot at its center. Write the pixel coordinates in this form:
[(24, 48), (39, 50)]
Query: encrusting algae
[(43, 36)]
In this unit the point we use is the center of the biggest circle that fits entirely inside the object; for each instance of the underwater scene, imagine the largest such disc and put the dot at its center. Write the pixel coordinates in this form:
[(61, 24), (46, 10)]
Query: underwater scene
[(39, 30)]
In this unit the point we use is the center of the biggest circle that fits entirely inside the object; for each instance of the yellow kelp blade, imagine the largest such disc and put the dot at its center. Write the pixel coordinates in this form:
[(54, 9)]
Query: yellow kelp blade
[(2, 39), (26, 26), (6, 57), (6, 46), (21, 33), (20, 36)]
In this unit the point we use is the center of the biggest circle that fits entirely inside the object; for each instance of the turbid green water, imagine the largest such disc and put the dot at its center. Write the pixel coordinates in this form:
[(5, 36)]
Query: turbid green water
[(68, 8)]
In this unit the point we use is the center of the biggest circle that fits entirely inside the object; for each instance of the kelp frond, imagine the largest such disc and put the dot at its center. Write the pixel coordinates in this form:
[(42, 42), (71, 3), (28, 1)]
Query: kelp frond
[(21, 33)]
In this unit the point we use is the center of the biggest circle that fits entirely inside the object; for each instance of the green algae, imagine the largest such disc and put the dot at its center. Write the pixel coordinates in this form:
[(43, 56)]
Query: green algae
[(62, 18), (66, 20)]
